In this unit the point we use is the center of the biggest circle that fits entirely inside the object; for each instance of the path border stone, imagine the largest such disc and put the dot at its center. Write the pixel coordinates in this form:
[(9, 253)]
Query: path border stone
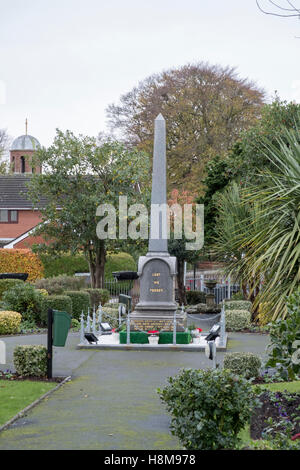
[(32, 405)]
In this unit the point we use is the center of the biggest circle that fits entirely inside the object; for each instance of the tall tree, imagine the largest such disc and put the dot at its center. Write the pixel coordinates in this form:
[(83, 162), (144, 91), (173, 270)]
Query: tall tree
[(79, 175), (205, 107), (247, 157)]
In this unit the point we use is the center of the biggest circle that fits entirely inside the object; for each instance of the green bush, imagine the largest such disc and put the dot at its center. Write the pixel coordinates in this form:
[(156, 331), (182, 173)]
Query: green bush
[(285, 340), (238, 305), (208, 407), (238, 296), (194, 297), (10, 322), (64, 264), (57, 285), (63, 303), (246, 364), (80, 302), (6, 284), (30, 361), (98, 296), (166, 337), (25, 299), (118, 262), (237, 320)]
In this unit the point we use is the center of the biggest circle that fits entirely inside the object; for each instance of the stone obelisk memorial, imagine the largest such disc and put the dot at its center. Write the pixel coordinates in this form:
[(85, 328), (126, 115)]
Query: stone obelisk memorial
[(157, 270)]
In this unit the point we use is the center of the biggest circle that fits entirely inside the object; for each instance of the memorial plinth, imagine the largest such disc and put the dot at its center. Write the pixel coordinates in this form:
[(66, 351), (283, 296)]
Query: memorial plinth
[(157, 270)]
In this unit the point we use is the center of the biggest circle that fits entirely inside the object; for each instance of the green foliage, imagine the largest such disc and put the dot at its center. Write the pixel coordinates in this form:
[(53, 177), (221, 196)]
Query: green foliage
[(136, 337), (284, 350), (238, 296), (238, 320), (98, 296), (30, 361), (9, 322), (58, 284), (194, 297), (208, 408), (166, 337), (247, 157), (63, 303), (82, 174), (238, 305), (118, 262), (6, 284), (246, 364), (25, 299), (63, 264), (80, 302)]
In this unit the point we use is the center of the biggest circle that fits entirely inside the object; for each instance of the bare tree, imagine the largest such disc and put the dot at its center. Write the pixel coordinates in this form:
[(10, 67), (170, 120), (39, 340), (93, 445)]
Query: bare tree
[(282, 11)]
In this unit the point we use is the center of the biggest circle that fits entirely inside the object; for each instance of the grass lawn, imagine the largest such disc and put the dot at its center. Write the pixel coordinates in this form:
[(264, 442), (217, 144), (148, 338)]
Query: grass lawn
[(292, 387), (16, 395)]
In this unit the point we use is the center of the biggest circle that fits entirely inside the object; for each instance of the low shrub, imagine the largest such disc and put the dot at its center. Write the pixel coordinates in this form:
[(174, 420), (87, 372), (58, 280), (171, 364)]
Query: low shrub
[(57, 285), (63, 303), (284, 351), (30, 361), (238, 305), (111, 315), (237, 320), (246, 364), (194, 297), (98, 296), (80, 302), (208, 407), (238, 296), (6, 284), (24, 298), (10, 322)]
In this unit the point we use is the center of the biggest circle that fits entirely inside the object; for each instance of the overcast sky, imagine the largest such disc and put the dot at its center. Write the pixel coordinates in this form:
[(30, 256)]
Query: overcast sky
[(63, 61)]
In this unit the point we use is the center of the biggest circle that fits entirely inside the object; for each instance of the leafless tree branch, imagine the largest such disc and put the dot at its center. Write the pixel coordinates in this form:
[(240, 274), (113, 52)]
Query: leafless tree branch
[(294, 11)]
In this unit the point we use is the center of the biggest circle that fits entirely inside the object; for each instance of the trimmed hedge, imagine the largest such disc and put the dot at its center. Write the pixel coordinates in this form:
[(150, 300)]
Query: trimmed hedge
[(166, 337), (10, 322), (98, 296), (6, 284), (238, 305), (57, 285), (80, 302), (63, 303), (30, 361), (194, 297), (21, 261), (237, 320), (71, 264), (246, 364)]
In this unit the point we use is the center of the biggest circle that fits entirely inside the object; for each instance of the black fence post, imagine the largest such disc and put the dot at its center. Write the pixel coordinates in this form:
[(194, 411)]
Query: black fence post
[(50, 344)]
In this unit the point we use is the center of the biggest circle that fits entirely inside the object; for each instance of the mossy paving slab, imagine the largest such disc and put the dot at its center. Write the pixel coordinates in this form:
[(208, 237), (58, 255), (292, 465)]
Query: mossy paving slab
[(111, 402)]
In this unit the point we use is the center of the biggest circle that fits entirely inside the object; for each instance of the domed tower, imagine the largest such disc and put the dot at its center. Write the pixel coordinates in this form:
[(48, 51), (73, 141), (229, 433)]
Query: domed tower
[(21, 152)]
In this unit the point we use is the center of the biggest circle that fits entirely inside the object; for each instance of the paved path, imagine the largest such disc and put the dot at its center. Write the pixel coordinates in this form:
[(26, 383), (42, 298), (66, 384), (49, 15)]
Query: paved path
[(111, 403)]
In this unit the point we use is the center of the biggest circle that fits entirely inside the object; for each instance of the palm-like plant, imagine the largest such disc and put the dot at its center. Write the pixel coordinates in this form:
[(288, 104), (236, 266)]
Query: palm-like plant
[(258, 230), (275, 246)]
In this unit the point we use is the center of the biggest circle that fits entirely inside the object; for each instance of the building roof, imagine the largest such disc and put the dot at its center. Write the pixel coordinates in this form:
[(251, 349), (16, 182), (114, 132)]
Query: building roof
[(25, 142), (13, 193)]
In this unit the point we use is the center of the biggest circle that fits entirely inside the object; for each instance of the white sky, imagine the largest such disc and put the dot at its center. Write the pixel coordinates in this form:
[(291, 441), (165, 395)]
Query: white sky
[(63, 61)]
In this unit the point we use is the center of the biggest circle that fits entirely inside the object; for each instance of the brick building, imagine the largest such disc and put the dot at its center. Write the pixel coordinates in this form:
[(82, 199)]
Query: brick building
[(18, 216)]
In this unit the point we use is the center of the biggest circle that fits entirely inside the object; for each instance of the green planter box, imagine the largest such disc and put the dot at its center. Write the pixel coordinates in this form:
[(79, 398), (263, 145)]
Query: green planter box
[(166, 337)]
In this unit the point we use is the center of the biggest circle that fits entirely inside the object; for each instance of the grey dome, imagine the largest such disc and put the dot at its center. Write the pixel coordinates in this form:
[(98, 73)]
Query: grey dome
[(25, 142)]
